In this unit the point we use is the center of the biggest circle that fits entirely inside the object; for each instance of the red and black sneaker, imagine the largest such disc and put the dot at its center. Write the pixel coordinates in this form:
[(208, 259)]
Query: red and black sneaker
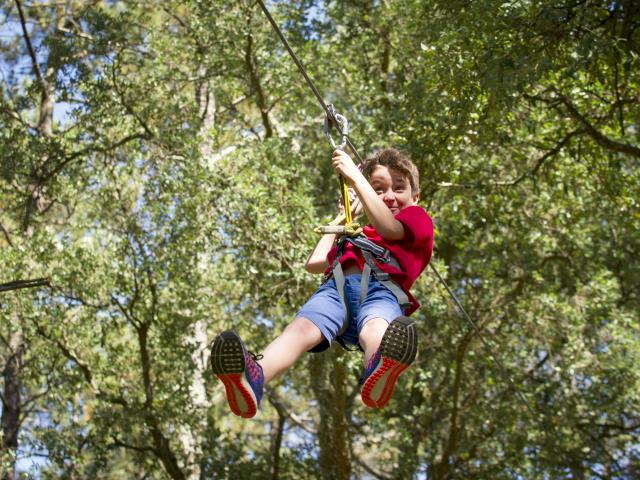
[(397, 351), (240, 373)]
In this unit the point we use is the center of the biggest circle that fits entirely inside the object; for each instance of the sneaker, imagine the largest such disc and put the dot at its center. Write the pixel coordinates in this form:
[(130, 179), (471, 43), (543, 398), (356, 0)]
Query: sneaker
[(397, 351), (240, 373)]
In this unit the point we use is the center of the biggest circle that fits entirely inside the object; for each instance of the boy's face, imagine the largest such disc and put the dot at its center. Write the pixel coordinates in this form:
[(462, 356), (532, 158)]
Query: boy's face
[(393, 188)]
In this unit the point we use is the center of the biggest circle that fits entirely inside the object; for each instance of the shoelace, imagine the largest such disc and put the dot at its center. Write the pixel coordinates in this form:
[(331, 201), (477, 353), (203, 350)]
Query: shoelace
[(254, 368), (254, 356)]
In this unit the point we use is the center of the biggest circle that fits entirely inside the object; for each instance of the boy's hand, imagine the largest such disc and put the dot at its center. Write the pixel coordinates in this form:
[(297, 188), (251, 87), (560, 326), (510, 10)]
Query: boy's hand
[(343, 164)]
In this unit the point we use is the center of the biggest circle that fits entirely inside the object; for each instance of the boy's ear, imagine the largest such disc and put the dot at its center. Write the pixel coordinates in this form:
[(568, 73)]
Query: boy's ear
[(416, 197)]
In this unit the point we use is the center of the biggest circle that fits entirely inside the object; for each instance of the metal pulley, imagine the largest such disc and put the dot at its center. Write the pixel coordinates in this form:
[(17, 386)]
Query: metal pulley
[(339, 122)]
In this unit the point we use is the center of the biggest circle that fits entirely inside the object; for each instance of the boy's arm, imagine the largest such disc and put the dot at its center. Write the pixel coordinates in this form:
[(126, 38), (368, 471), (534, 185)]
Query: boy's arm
[(317, 261), (379, 215)]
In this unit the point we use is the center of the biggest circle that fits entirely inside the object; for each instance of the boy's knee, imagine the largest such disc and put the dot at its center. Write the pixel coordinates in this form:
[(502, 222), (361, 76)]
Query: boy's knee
[(375, 325), (373, 330), (303, 327)]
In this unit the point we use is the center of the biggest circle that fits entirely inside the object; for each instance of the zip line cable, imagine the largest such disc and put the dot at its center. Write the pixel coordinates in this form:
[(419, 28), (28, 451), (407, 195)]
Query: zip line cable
[(512, 382), (331, 114)]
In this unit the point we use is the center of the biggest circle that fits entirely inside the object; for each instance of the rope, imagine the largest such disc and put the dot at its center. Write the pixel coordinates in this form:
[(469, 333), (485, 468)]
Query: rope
[(346, 200)]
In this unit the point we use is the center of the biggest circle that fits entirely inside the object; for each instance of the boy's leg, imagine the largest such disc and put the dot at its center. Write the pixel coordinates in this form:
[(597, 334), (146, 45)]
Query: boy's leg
[(371, 336), (393, 352), (299, 337), (244, 374)]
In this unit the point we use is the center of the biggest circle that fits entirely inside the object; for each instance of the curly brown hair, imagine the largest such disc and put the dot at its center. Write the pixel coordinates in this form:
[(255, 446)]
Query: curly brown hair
[(392, 158)]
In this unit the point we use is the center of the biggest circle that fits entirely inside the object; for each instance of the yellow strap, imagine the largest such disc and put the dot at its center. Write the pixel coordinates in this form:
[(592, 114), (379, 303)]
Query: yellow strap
[(350, 228), (345, 200)]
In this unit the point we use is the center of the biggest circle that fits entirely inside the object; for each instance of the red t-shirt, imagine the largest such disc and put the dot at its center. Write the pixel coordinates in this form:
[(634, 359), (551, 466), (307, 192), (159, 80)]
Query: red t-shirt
[(413, 252)]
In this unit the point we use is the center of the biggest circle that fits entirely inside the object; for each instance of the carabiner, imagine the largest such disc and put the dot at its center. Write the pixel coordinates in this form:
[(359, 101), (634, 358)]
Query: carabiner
[(340, 122)]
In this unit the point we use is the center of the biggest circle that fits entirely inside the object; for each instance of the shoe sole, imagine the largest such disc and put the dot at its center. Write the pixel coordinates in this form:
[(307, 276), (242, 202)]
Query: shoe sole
[(399, 347), (227, 362)]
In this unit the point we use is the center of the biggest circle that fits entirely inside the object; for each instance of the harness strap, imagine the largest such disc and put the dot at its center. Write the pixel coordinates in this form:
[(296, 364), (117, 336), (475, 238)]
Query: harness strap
[(338, 276), (385, 279), (370, 252), (364, 243), (364, 282)]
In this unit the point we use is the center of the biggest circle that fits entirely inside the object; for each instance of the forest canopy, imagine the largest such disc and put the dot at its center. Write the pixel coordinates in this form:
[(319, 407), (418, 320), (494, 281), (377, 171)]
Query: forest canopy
[(163, 166)]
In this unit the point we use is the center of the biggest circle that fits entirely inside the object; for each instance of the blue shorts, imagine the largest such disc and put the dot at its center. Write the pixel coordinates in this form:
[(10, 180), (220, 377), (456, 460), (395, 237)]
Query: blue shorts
[(326, 311)]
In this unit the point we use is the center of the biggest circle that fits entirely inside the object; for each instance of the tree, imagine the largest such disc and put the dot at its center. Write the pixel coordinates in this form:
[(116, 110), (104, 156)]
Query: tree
[(162, 164)]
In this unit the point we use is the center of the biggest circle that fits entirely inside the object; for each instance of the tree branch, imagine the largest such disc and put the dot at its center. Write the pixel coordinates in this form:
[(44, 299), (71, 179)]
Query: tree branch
[(32, 53), (256, 85), (600, 139), (443, 467), (20, 284), (588, 128), (367, 468), (550, 153), (132, 320), (84, 368), (81, 300), (276, 443), (92, 149), (127, 107), (120, 444), (511, 183), (278, 404)]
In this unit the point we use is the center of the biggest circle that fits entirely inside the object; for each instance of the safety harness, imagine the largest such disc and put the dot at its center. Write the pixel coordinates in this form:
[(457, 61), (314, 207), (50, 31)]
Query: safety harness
[(370, 253)]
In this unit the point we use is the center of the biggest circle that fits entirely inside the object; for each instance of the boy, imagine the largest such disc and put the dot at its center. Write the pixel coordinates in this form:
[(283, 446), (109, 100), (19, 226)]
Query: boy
[(388, 189)]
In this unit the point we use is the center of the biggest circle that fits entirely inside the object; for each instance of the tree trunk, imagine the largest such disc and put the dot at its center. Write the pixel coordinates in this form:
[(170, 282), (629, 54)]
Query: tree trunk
[(328, 381), (189, 437), (11, 404), (276, 444), (200, 357)]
